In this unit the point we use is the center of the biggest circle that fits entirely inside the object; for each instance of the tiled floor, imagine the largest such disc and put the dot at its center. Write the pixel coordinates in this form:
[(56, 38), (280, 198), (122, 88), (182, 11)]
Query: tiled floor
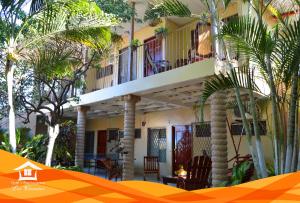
[(101, 173)]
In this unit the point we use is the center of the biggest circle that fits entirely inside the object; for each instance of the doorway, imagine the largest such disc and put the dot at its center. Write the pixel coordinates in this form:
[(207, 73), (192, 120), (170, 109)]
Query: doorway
[(182, 142), (152, 48), (101, 144)]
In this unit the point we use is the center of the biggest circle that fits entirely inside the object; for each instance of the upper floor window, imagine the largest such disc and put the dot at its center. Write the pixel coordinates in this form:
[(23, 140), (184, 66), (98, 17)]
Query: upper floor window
[(103, 72)]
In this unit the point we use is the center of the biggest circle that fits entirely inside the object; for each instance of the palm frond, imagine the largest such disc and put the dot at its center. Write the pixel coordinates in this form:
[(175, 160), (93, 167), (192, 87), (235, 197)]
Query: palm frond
[(242, 77), (287, 52), (164, 8), (63, 17), (249, 38)]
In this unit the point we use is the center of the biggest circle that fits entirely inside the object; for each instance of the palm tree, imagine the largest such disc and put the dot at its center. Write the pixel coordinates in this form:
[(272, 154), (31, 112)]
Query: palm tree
[(275, 53), (253, 37), (24, 30)]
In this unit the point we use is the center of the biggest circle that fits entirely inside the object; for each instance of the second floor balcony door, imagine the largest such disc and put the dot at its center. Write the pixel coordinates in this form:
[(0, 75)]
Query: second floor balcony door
[(153, 55), (123, 66)]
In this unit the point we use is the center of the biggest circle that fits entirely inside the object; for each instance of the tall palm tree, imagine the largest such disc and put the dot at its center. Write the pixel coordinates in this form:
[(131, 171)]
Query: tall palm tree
[(275, 53), (75, 20), (263, 44)]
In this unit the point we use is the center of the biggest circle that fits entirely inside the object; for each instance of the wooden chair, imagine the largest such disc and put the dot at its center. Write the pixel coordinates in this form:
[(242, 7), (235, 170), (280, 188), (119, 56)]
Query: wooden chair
[(112, 170), (151, 166), (197, 174)]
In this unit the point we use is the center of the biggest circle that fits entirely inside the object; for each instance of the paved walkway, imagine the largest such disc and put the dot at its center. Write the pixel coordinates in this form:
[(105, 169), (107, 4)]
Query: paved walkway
[(101, 173)]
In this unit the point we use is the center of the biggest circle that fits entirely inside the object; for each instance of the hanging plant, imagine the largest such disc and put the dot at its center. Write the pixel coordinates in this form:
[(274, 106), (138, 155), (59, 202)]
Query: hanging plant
[(161, 32), (154, 22), (135, 44), (116, 39)]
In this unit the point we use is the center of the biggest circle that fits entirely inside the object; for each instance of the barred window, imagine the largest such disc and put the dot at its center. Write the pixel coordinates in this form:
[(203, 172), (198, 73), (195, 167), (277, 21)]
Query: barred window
[(103, 72), (157, 143), (113, 134), (202, 129), (238, 128)]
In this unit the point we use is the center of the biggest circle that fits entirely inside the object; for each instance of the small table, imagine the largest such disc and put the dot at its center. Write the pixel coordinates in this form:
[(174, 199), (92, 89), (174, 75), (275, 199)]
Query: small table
[(169, 179)]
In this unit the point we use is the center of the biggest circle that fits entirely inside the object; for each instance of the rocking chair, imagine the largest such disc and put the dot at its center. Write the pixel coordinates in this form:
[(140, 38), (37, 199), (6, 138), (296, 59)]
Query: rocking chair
[(198, 171)]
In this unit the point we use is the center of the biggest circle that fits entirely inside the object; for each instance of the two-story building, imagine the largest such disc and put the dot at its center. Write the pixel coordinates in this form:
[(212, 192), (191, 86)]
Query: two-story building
[(153, 95)]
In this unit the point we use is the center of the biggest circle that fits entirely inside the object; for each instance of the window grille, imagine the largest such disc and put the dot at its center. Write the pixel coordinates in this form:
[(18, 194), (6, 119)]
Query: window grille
[(113, 134), (201, 139), (103, 72), (202, 129), (238, 129), (157, 144)]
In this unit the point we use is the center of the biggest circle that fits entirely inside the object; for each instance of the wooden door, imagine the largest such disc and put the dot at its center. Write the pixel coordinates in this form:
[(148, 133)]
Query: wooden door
[(181, 145), (101, 145), (152, 48)]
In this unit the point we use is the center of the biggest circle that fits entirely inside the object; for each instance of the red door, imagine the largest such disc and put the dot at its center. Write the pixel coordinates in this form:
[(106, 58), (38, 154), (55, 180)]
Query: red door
[(182, 146), (101, 145), (153, 52)]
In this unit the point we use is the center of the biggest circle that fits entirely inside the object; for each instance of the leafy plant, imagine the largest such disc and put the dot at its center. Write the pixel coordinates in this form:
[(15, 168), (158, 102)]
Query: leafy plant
[(161, 32), (70, 168), (135, 43), (239, 172), (64, 149)]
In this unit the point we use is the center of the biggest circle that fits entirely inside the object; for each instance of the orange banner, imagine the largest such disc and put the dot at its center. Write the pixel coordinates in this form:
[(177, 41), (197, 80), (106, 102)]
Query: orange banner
[(22, 180)]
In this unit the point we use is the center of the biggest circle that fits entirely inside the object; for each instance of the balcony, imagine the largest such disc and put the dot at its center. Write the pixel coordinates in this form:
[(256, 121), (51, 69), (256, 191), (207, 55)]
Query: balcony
[(186, 45)]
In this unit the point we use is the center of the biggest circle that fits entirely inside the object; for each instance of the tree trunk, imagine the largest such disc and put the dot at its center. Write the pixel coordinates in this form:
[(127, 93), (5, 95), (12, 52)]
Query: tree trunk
[(248, 131), (275, 123), (219, 139), (259, 147), (218, 110), (128, 141), (291, 124), (53, 132), (11, 115)]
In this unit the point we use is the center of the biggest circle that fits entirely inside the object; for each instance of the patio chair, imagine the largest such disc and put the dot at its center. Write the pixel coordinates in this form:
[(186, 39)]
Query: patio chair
[(112, 169), (151, 166), (198, 171)]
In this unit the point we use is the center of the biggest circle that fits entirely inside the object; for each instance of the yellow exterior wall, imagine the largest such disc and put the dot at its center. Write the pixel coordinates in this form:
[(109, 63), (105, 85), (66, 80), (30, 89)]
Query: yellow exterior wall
[(167, 119)]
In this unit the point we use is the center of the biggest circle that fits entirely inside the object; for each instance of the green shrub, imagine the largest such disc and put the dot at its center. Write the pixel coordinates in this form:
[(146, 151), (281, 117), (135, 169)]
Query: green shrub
[(69, 168)]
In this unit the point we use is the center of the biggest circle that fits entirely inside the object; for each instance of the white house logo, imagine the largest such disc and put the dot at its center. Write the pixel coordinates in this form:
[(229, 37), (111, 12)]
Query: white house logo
[(28, 171)]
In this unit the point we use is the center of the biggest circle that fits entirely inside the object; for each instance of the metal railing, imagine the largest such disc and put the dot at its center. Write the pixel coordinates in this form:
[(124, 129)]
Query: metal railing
[(186, 45)]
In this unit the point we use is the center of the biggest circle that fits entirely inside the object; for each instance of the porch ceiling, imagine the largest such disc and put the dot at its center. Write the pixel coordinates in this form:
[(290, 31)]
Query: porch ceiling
[(180, 96)]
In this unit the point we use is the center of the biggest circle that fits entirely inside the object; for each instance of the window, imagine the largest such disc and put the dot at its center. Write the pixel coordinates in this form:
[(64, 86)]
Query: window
[(103, 72), (157, 143), (89, 142), (121, 133), (137, 133), (202, 129), (113, 134), (238, 129)]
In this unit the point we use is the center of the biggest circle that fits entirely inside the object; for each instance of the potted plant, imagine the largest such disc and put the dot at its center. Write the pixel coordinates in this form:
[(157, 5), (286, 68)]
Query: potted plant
[(116, 39), (135, 44), (161, 32), (154, 22)]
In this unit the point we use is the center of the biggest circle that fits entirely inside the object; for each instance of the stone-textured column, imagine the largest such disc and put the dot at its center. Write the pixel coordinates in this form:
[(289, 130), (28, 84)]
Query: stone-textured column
[(80, 135), (218, 138), (129, 127)]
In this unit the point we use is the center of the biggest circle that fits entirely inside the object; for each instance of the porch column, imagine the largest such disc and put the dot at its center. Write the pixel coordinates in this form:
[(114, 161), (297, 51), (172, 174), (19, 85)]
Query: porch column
[(218, 139), (81, 121), (129, 128)]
